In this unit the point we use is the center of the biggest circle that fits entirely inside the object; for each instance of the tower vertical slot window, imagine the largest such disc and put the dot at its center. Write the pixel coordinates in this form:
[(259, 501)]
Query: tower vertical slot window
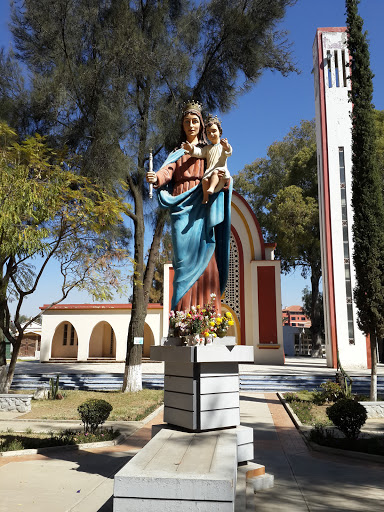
[(344, 68), (329, 69), (347, 264), (337, 69)]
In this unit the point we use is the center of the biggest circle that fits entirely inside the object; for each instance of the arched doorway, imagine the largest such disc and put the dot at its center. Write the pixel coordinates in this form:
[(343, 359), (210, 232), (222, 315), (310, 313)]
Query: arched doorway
[(148, 340), (102, 342), (65, 341)]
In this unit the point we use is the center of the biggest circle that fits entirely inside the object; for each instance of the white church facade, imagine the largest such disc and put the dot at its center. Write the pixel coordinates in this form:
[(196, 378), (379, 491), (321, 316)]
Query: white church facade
[(94, 332)]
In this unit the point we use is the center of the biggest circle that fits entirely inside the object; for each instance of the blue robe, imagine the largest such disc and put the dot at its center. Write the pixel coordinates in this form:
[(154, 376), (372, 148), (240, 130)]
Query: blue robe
[(197, 231)]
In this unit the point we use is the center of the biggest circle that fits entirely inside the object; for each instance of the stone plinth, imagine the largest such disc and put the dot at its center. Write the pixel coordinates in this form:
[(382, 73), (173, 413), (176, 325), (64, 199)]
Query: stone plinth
[(244, 437), (180, 471), (201, 384)]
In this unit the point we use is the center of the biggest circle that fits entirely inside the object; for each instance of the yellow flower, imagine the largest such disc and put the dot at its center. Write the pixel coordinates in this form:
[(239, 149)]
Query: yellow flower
[(189, 316), (212, 324), (231, 322), (218, 321), (206, 334), (214, 335), (203, 310), (198, 306), (228, 314)]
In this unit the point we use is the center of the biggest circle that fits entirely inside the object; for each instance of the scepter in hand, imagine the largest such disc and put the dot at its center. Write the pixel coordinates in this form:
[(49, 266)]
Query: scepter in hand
[(151, 176), (150, 169)]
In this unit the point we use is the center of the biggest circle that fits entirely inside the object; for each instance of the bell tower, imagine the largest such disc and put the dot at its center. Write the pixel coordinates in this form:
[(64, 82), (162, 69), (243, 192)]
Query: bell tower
[(334, 164)]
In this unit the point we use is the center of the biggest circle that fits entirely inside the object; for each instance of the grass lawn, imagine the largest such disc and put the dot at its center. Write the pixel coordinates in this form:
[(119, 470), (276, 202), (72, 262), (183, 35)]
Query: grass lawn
[(126, 406), (308, 412)]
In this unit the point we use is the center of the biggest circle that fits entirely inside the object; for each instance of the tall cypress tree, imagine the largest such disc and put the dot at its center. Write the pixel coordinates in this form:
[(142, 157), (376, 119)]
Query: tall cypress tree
[(367, 193)]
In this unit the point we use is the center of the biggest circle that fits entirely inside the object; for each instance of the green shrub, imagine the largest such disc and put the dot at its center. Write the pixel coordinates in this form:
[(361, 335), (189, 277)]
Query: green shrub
[(291, 397), (331, 391), (303, 411), (93, 413), (318, 398), (320, 433), (11, 446), (348, 416)]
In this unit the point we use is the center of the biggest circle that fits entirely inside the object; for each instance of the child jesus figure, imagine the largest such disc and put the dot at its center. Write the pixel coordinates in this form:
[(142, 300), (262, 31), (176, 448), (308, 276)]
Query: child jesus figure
[(216, 155)]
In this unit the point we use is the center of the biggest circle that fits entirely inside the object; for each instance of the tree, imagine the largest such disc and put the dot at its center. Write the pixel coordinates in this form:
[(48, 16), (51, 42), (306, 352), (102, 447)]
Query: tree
[(107, 77), (307, 306), (165, 256), (50, 213), (282, 190), (367, 192)]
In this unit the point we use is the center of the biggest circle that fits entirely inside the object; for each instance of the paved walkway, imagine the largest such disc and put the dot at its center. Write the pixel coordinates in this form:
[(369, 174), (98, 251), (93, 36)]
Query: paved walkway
[(82, 481)]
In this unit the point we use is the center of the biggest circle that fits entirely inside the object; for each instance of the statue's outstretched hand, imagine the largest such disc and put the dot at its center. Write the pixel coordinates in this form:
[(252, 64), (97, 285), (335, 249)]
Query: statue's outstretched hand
[(151, 177), (187, 146), (224, 143)]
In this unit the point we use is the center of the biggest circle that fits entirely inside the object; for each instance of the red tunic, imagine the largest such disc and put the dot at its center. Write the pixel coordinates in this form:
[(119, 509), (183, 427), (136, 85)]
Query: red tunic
[(186, 173)]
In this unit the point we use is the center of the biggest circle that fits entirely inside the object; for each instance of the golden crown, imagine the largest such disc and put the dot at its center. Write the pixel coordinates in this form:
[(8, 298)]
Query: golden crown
[(192, 105), (212, 119)]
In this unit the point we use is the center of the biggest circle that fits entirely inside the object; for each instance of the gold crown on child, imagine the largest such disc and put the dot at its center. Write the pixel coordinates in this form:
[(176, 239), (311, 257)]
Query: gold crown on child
[(192, 105), (212, 119)]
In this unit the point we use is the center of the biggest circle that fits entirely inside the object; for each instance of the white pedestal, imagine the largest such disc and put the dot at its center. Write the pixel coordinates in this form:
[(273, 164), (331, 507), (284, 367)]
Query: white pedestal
[(201, 385)]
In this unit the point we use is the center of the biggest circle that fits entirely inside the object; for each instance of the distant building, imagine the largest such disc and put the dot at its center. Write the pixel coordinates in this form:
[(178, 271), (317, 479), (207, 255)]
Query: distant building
[(30, 344), (293, 316)]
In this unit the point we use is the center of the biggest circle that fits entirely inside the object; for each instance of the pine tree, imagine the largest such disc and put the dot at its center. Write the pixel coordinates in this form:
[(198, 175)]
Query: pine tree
[(108, 79), (367, 192)]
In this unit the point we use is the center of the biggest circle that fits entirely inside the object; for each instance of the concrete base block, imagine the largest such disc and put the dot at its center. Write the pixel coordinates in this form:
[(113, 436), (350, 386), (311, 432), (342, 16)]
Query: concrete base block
[(202, 354), (262, 482), (244, 440), (142, 505), (205, 420), (180, 471), (245, 452), (250, 477)]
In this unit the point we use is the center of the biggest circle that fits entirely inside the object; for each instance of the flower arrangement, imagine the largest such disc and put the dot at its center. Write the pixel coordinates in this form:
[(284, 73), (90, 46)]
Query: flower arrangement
[(200, 321)]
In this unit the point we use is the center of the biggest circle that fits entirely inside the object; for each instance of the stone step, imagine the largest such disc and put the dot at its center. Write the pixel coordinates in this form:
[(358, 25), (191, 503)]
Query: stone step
[(262, 383)]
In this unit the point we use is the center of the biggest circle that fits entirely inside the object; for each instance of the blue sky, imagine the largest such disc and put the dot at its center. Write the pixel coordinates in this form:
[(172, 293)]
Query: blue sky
[(266, 114)]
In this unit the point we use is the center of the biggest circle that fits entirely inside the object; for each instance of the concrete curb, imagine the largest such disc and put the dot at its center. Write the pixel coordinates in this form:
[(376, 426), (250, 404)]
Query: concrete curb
[(370, 457), (304, 429)]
